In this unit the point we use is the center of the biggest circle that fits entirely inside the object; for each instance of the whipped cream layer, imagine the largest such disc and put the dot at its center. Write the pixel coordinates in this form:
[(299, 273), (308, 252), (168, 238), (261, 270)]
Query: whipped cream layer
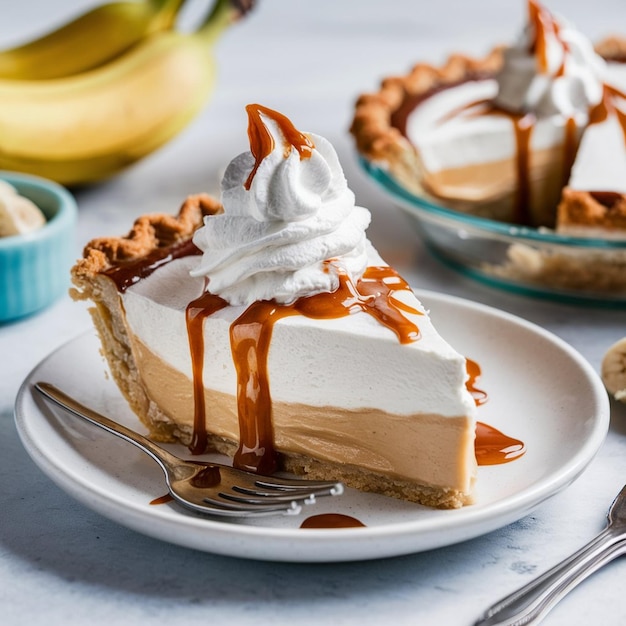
[(454, 128), (307, 357), (552, 70), (601, 158), (447, 141), (470, 156), (285, 214)]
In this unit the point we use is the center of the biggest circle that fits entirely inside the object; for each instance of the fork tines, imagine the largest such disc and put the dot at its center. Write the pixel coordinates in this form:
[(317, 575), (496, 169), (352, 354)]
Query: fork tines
[(273, 495)]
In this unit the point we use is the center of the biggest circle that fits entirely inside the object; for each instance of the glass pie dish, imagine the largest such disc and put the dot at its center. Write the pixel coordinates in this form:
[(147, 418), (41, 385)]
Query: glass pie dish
[(525, 260)]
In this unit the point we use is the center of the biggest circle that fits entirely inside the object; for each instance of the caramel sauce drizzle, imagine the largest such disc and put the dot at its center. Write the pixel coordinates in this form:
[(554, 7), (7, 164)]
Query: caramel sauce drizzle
[(474, 372), (491, 446), (162, 499), (606, 107), (545, 25), (262, 142), (494, 447), (523, 125), (250, 337), (251, 332), (570, 148), (196, 312), (126, 274)]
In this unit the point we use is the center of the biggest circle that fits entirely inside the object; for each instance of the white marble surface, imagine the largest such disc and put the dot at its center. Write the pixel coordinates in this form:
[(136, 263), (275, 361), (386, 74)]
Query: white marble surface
[(60, 563)]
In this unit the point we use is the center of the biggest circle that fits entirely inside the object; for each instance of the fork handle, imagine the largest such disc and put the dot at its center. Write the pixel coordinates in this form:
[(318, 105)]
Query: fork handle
[(166, 460), (530, 603)]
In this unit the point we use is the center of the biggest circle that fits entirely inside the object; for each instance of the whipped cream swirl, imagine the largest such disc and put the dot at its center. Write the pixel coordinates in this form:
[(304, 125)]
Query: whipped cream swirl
[(285, 215), (553, 69)]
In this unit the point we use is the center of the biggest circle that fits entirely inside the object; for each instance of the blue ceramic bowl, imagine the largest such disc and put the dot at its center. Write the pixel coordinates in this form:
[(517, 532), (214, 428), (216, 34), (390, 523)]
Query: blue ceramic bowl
[(34, 268)]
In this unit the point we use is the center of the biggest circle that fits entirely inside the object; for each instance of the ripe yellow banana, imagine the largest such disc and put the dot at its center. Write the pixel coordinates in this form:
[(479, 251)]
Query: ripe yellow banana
[(614, 370), (83, 128), (89, 41)]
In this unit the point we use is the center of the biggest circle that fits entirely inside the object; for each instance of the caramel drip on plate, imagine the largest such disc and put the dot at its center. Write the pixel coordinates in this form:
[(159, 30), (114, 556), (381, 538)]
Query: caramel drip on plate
[(331, 520), (491, 446), (494, 448), (262, 142), (250, 337), (474, 372)]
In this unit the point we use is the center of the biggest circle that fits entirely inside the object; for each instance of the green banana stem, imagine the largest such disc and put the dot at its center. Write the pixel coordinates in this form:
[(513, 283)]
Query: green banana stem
[(223, 14), (166, 12)]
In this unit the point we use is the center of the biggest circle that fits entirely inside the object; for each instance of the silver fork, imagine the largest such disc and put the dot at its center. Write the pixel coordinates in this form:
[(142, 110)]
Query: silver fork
[(531, 603), (209, 488)]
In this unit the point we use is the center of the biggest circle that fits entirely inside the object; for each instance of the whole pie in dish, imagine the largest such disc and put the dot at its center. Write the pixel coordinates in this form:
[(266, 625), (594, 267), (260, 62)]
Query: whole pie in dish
[(267, 327), (513, 135)]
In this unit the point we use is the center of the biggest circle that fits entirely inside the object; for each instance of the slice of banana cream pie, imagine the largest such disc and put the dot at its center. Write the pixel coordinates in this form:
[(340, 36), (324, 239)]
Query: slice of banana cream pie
[(268, 328)]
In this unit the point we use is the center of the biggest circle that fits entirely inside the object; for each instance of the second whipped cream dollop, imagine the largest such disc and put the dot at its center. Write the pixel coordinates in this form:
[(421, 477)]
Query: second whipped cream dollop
[(286, 213), (552, 70)]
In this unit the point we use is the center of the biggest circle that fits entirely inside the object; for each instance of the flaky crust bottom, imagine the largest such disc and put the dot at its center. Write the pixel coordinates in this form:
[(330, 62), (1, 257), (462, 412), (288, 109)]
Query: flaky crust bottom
[(593, 210)]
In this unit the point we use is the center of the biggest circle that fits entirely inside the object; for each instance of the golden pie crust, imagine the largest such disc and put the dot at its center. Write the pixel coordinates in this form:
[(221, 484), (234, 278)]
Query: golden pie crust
[(588, 209), (149, 232), (378, 139)]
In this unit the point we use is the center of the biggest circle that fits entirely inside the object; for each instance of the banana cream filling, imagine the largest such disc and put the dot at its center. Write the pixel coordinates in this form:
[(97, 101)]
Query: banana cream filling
[(471, 157), (414, 447), (398, 410)]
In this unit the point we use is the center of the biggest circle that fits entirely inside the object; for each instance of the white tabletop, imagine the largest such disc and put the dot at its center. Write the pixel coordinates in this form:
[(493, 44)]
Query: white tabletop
[(61, 563)]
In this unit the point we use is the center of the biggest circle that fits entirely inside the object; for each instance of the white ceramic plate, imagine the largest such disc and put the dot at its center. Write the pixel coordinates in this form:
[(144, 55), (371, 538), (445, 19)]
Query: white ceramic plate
[(540, 389)]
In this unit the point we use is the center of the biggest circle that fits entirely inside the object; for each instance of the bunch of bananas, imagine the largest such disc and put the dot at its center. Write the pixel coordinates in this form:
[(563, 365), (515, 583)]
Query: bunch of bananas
[(107, 89)]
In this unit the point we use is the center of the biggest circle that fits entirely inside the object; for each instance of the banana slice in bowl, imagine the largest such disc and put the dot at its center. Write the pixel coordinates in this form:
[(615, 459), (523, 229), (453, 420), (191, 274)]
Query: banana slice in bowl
[(18, 214), (614, 370), (37, 246)]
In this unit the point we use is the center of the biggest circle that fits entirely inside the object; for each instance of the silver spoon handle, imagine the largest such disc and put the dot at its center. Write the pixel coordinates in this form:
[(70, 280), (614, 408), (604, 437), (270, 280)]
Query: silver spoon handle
[(161, 456), (531, 603)]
